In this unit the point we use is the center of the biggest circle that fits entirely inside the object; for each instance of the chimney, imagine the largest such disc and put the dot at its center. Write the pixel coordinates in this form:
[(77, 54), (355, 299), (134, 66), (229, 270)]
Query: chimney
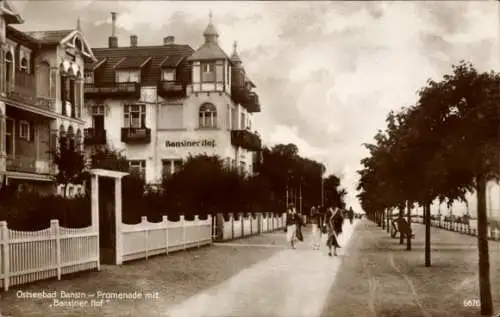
[(133, 40), (113, 40), (169, 40)]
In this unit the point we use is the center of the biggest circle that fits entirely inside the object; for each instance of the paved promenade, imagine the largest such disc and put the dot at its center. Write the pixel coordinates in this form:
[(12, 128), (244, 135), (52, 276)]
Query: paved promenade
[(260, 276)]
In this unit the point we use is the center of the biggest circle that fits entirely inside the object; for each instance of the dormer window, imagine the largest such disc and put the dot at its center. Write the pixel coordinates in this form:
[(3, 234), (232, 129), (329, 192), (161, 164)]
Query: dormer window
[(88, 77), (128, 76), (208, 72), (168, 74)]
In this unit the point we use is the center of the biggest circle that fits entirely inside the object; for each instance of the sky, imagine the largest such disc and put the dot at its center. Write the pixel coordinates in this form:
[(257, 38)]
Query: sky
[(327, 73)]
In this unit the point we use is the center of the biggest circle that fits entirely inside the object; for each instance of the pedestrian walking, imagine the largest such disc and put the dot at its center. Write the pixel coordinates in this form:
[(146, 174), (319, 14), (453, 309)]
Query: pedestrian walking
[(315, 221), (332, 227), (291, 226), (350, 214)]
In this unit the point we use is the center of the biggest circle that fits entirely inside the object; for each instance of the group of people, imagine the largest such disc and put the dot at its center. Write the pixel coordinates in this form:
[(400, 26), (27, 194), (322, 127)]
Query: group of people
[(327, 221)]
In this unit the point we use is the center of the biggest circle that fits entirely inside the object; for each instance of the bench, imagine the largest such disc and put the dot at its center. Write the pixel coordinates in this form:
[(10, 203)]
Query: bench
[(401, 226)]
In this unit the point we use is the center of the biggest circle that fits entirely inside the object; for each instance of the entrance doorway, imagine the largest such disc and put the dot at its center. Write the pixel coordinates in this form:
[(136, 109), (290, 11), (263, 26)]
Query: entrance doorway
[(107, 220)]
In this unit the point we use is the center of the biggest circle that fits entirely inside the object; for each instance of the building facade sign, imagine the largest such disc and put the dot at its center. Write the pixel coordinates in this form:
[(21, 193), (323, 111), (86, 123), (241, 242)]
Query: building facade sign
[(191, 143)]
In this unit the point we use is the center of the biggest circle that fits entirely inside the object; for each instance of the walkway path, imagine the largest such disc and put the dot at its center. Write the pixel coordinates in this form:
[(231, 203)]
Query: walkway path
[(290, 283), (380, 278)]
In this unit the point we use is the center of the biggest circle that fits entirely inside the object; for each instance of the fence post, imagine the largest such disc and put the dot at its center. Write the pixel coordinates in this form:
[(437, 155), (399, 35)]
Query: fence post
[(165, 224), (251, 223), (4, 239), (211, 217), (232, 224), (198, 229), (242, 220), (144, 220), (183, 223), (54, 226)]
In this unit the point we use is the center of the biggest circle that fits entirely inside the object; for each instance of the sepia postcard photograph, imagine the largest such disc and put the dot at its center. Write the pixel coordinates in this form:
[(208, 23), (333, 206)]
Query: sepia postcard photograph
[(249, 158)]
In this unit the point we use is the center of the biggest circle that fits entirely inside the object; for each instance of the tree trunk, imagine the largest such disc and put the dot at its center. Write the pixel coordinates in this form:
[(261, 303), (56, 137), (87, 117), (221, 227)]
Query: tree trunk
[(482, 245), (408, 236), (401, 217), (427, 219), (382, 213)]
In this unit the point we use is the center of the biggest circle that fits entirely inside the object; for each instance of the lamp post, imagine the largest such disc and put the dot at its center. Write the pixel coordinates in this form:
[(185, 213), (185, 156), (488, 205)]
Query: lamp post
[(300, 194)]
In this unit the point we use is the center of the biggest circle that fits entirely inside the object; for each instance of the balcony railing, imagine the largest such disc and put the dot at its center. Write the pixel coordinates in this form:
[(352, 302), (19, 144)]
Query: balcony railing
[(126, 90), (23, 90), (246, 139), (248, 99), (27, 164), (136, 135), (94, 136), (171, 89)]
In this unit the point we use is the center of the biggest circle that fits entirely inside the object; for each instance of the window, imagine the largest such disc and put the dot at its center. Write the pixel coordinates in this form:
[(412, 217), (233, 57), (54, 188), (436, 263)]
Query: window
[(242, 121), (170, 117), (89, 77), (9, 66), (98, 110), (127, 76), (24, 65), (208, 72), (71, 88), (208, 116), (134, 116), (168, 74), (171, 167), (242, 167), (137, 167), (24, 130), (43, 80), (9, 137)]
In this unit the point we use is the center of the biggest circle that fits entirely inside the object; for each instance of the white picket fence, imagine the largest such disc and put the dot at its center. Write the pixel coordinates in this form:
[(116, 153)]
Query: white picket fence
[(27, 257), (146, 239), (247, 225)]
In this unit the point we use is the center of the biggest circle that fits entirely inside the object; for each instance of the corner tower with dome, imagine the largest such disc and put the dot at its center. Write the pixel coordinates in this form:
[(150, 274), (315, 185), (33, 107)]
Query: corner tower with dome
[(186, 102)]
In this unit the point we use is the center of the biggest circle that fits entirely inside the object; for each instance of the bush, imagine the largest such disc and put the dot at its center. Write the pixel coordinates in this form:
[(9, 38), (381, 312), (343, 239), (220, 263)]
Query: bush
[(31, 212)]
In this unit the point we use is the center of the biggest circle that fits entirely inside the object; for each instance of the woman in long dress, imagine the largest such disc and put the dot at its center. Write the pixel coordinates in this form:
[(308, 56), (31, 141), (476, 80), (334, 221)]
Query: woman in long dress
[(333, 229), (291, 227)]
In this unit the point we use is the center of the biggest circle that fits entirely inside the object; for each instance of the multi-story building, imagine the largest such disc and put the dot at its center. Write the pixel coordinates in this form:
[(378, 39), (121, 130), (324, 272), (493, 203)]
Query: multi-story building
[(41, 97), (160, 104)]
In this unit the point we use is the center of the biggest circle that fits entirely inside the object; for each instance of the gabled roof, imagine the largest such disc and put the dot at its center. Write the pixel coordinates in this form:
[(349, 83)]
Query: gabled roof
[(131, 62), (208, 51), (151, 74), (18, 35), (50, 37), (10, 14), (62, 37)]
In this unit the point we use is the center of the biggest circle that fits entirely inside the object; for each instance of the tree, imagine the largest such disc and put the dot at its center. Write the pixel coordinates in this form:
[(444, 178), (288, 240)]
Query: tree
[(445, 146), (70, 161), (106, 158)]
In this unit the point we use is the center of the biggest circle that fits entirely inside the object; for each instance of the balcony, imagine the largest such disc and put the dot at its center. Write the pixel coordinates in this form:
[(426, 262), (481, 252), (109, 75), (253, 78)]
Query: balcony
[(27, 164), (94, 136), (136, 135), (246, 98), (114, 90), (23, 90), (246, 140), (171, 89)]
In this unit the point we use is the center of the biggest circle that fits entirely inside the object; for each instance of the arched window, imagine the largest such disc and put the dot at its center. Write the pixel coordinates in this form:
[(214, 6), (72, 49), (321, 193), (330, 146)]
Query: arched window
[(24, 65), (9, 67), (208, 116)]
